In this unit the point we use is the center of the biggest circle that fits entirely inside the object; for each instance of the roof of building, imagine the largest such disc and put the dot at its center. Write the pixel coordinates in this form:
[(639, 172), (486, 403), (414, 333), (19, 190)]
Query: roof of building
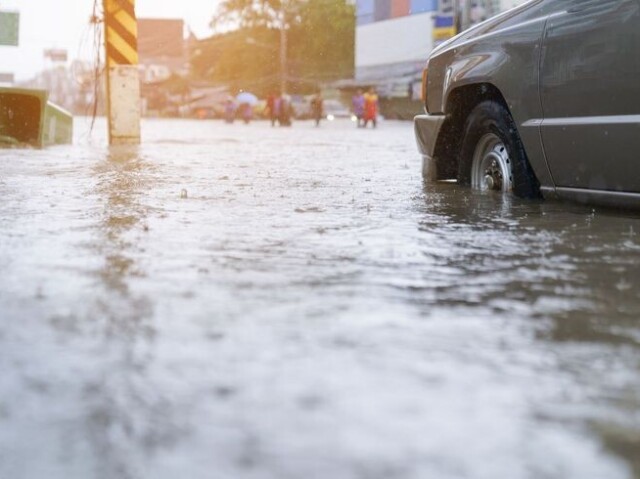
[(160, 38)]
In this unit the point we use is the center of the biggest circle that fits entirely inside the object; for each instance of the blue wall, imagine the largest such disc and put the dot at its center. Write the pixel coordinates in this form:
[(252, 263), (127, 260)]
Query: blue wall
[(421, 6)]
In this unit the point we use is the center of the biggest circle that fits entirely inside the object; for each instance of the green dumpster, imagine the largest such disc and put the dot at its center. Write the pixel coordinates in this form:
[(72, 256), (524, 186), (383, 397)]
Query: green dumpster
[(28, 119)]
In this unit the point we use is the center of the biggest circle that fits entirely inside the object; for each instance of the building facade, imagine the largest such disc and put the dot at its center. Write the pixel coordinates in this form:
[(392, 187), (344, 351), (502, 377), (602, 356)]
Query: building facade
[(162, 48), (394, 37)]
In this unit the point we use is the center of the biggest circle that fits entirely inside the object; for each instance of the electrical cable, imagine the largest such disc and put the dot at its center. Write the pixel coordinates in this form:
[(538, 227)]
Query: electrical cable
[(97, 22)]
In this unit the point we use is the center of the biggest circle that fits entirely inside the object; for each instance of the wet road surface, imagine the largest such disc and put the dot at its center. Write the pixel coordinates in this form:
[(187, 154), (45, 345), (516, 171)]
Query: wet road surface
[(247, 302)]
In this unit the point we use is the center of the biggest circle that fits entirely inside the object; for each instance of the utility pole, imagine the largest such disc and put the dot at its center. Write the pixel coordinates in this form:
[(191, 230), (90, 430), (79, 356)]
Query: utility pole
[(465, 19), (123, 81), (283, 51), (456, 16)]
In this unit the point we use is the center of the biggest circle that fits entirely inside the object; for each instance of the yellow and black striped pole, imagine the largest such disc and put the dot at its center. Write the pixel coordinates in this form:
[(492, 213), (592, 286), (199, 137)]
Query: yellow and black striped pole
[(123, 82)]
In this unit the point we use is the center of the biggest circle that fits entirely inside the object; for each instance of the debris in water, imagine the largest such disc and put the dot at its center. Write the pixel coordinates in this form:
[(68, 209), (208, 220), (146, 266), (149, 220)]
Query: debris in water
[(311, 209)]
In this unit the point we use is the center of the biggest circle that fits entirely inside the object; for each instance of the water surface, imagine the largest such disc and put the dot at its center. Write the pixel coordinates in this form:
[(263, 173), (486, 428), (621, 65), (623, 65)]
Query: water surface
[(248, 302)]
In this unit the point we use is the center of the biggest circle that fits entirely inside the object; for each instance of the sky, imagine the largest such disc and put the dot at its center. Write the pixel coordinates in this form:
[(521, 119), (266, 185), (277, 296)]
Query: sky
[(64, 24)]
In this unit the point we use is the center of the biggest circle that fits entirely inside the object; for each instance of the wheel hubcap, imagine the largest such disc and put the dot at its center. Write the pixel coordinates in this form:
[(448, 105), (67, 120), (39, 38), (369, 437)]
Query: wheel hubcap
[(491, 166), (489, 182)]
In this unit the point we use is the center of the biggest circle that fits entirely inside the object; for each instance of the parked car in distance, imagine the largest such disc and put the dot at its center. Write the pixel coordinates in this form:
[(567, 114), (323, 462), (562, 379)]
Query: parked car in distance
[(333, 110), (542, 100)]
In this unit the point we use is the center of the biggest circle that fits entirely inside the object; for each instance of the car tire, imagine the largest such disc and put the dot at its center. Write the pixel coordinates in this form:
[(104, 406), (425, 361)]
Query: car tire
[(493, 156)]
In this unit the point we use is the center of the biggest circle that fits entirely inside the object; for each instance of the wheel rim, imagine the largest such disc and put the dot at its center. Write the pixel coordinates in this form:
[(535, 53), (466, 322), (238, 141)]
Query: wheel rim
[(491, 166)]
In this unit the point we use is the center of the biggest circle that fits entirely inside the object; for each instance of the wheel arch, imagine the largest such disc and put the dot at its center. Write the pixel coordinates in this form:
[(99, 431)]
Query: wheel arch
[(459, 104)]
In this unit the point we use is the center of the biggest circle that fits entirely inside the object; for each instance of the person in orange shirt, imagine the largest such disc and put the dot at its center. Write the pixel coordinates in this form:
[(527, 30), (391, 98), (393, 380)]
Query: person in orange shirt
[(371, 107)]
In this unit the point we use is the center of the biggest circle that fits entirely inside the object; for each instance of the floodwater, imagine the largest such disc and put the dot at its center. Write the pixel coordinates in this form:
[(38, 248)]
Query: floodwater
[(241, 302)]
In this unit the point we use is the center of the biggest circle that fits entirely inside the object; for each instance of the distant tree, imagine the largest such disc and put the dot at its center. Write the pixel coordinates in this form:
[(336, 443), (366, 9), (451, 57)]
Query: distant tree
[(230, 59), (244, 52), (322, 40), (243, 14)]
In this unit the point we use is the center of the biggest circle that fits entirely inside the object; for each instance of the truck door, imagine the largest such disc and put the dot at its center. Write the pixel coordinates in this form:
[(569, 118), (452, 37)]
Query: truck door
[(590, 92)]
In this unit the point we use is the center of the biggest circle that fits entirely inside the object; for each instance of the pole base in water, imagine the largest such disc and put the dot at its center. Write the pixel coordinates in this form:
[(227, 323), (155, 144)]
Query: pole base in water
[(123, 99)]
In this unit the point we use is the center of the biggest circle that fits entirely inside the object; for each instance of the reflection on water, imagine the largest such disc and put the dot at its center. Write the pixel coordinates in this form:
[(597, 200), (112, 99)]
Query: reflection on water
[(121, 182), (574, 273), (225, 302), (121, 411)]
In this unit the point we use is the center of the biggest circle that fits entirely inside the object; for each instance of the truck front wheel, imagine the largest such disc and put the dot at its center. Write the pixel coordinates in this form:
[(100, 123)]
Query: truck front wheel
[(492, 156)]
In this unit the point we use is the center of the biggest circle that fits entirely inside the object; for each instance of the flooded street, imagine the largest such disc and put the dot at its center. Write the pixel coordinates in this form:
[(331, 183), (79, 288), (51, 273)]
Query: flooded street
[(242, 302)]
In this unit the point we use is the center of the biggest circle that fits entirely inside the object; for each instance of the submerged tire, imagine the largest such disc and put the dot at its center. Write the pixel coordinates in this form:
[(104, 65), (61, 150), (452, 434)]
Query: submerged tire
[(493, 156)]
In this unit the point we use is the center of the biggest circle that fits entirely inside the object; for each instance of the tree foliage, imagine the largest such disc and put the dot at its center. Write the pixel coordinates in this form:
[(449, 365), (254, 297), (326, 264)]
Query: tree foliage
[(245, 50), (323, 40), (250, 13)]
